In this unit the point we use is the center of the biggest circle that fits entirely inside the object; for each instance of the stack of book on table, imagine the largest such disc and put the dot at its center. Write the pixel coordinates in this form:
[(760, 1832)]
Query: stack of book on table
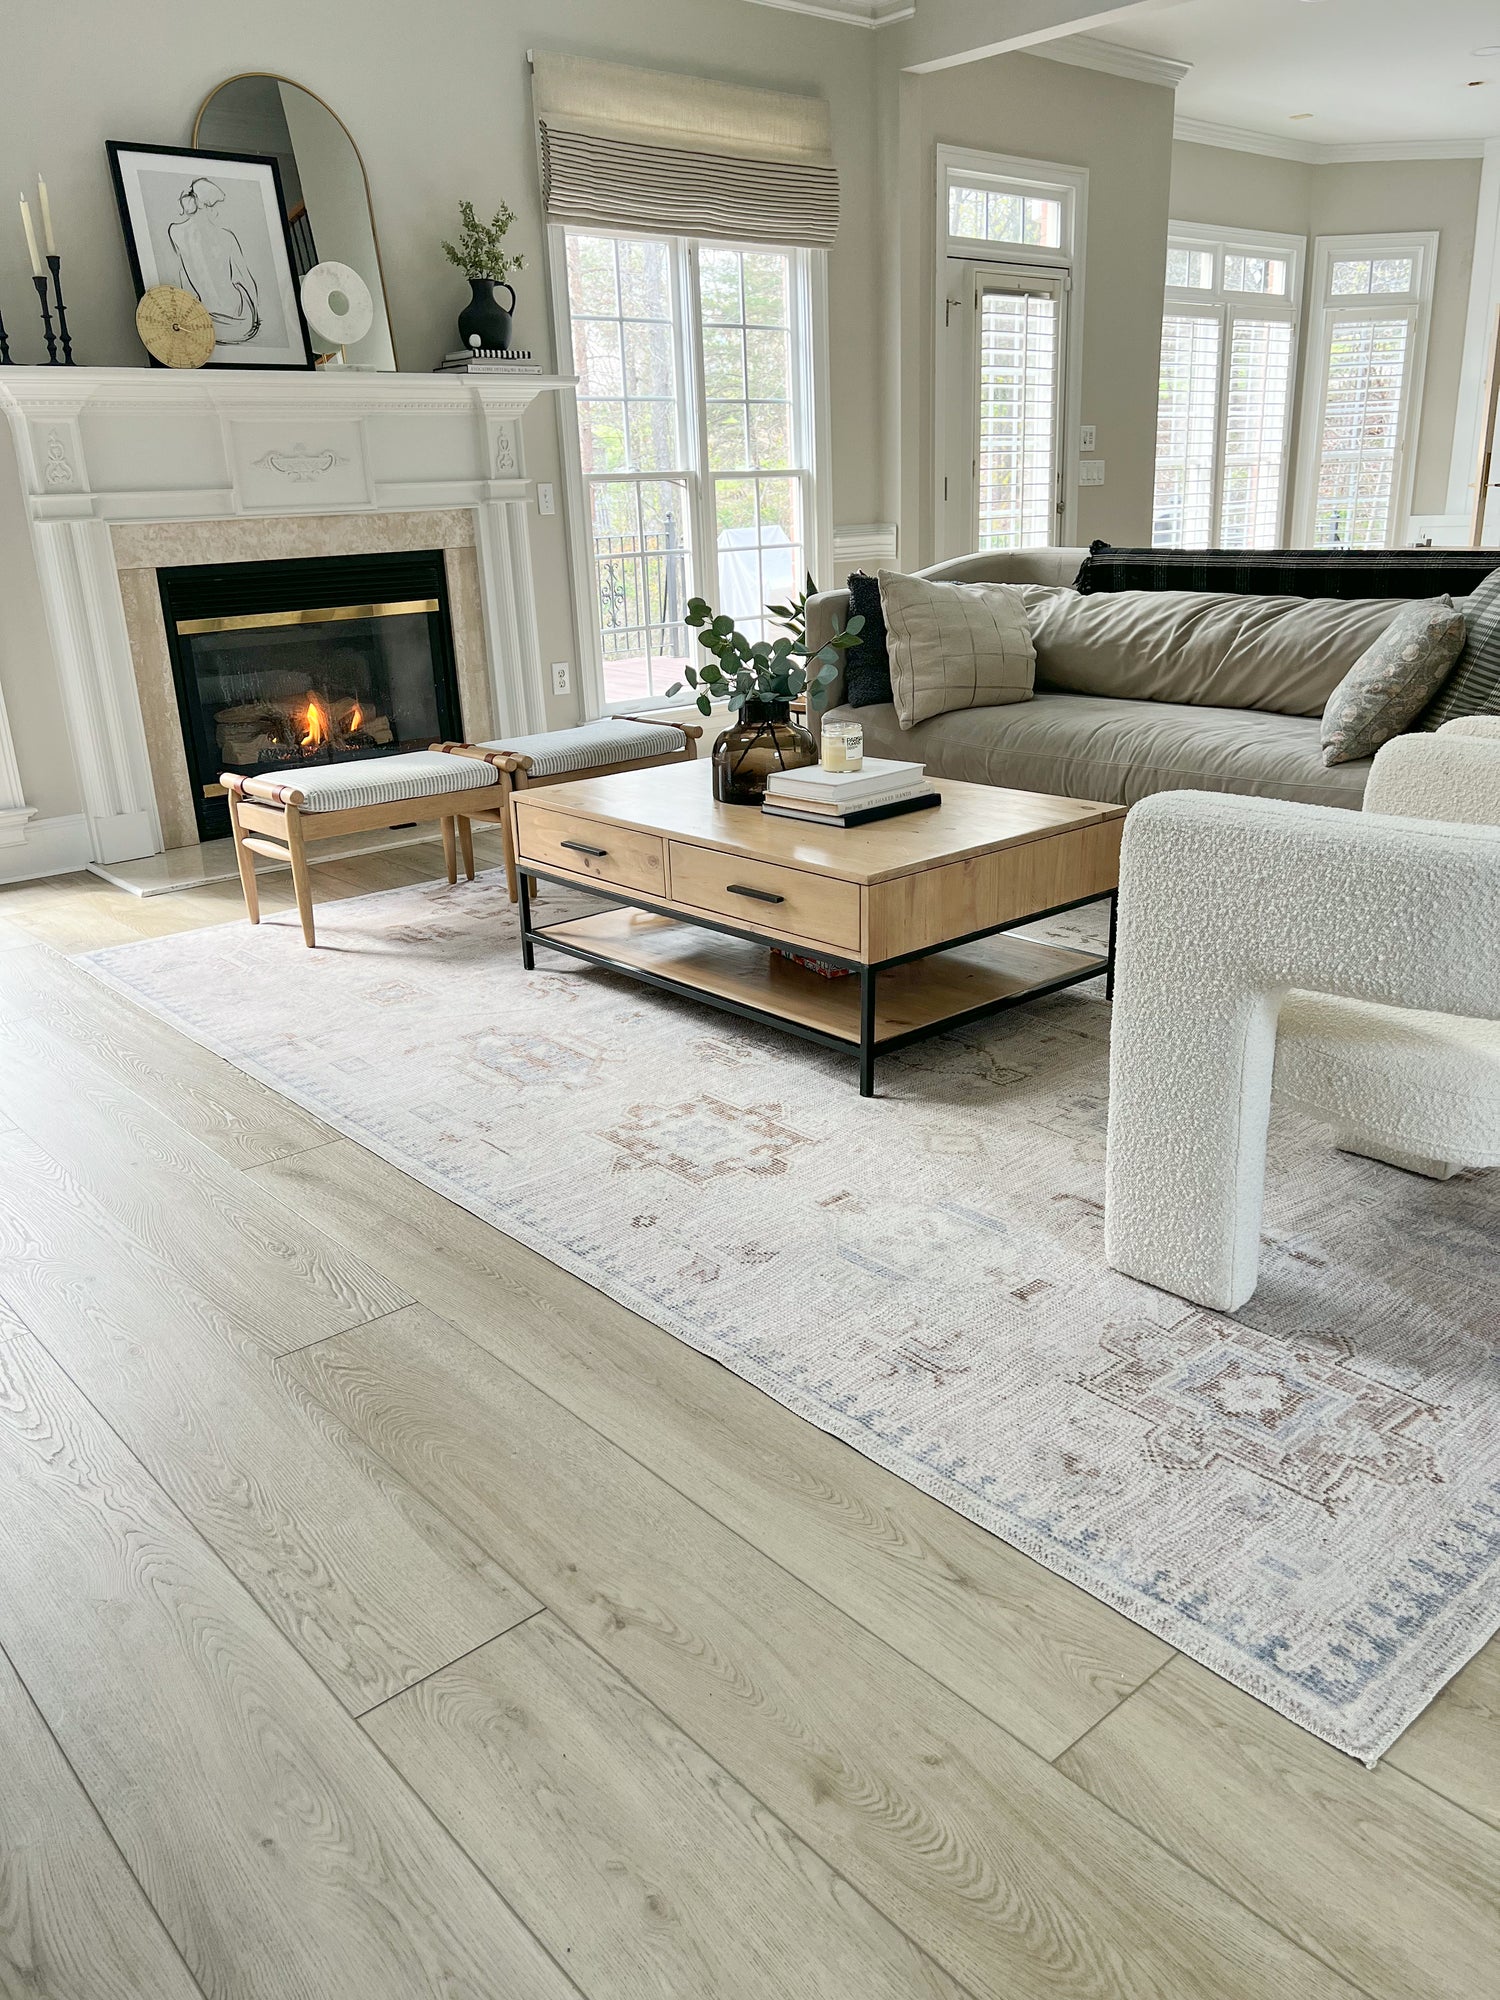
[(880, 789), (490, 361)]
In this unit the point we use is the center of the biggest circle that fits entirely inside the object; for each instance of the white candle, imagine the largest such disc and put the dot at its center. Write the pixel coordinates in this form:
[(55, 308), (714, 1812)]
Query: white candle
[(47, 236), (38, 269)]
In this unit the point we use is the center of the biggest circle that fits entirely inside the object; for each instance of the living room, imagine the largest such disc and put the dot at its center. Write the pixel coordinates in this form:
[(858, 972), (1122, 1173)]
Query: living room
[(749, 864)]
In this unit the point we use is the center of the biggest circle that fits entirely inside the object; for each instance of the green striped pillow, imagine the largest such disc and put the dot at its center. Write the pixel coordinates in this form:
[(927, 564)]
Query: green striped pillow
[(1473, 687)]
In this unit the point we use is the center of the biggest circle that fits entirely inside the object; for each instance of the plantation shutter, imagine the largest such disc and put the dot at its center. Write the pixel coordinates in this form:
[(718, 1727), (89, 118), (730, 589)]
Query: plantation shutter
[(626, 148)]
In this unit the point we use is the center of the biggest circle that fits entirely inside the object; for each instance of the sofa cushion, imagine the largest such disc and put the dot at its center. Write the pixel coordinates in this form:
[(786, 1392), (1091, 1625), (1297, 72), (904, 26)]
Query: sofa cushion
[(1286, 654), (1391, 682), (1288, 572), (1093, 747), (954, 645)]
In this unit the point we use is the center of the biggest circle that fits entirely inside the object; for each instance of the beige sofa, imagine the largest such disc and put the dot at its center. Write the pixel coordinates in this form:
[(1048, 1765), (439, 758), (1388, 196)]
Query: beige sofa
[(1119, 746)]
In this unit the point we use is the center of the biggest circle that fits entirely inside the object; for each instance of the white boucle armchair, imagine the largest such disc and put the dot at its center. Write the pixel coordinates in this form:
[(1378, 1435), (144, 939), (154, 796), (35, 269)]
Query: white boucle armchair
[(1350, 961)]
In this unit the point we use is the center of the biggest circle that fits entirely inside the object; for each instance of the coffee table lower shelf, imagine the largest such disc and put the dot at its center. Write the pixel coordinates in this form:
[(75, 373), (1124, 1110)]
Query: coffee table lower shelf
[(875, 1010)]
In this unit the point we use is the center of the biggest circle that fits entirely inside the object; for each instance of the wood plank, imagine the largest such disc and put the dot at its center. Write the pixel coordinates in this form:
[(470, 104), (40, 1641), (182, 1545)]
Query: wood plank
[(245, 1122), (371, 1583), (74, 1924), (678, 801), (173, 1203), (1381, 1879), (1455, 1745), (636, 1859), (1043, 1659), (284, 1856), (746, 972), (1013, 1879)]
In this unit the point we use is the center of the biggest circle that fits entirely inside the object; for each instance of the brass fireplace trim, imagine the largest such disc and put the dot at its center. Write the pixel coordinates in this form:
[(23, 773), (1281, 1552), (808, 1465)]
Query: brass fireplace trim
[(323, 614)]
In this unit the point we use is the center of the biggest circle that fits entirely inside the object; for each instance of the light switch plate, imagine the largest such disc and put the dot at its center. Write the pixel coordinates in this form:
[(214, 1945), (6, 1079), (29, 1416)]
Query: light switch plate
[(562, 677), (546, 500), (1087, 437), (1091, 472)]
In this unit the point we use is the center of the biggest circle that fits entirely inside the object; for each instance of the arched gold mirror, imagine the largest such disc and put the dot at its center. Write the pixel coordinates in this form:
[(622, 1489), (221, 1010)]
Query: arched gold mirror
[(323, 178)]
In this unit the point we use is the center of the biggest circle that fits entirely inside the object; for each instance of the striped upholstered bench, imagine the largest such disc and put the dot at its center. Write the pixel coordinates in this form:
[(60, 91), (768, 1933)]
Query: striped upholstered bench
[(594, 750), (277, 817)]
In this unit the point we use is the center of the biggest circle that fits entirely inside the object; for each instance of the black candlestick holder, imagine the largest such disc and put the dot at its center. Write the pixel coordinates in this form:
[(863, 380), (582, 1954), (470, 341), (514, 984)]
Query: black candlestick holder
[(54, 265), (41, 292), (5, 360)]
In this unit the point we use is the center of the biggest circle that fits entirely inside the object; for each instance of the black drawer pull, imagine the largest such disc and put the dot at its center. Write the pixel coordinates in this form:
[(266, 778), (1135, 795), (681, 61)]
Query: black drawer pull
[(582, 847), (760, 895)]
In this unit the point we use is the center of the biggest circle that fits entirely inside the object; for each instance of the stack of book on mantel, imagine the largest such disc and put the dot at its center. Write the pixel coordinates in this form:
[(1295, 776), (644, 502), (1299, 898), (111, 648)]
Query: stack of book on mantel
[(490, 361), (880, 789)]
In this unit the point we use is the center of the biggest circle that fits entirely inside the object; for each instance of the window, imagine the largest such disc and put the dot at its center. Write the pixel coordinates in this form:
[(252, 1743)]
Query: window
[(1223, 421), (1365, 366), (1006, 367), (695, 439)]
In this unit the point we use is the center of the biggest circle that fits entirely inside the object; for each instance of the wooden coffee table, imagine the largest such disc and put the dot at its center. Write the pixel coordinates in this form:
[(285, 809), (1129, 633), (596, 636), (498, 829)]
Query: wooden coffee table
[(902, 905)]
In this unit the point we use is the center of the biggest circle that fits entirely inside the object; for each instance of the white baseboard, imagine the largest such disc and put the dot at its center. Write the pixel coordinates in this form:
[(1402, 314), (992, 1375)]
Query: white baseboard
[(50, 847)]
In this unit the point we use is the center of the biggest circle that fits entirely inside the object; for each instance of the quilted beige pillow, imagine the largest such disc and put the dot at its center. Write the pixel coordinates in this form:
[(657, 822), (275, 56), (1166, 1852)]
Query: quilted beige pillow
[(954, 645)]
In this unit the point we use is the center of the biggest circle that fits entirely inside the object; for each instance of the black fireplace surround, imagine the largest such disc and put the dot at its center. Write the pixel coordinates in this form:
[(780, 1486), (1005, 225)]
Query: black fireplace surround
[(282, 665)]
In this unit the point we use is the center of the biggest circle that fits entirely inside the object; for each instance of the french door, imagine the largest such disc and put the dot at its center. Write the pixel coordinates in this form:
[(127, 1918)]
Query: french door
[(1002, 478)]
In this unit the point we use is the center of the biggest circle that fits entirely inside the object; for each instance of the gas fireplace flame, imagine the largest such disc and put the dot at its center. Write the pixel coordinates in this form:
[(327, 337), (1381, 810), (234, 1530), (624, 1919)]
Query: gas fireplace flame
[(315, 731), (356, 718)]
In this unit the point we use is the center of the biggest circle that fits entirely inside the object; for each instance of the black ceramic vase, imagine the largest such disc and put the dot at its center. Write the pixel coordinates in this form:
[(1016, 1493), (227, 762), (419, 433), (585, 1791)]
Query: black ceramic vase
[(765, 739), (485, 316)]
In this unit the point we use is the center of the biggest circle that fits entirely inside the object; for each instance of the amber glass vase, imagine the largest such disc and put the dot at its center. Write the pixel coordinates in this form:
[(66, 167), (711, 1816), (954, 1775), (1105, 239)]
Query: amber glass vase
[(765, 739)]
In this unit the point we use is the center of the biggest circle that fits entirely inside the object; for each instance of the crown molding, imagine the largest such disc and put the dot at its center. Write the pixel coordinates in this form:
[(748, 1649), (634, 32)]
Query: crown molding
[(1240, 139), (1090, 52), (852, 13)]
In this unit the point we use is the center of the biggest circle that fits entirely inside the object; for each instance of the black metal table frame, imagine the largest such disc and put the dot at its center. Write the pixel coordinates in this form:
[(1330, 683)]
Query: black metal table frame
[(868, 1046)]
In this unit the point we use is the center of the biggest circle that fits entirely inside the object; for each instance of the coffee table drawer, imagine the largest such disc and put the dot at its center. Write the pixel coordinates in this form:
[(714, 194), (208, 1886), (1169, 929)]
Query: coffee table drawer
[(766, 896), (617, 855)]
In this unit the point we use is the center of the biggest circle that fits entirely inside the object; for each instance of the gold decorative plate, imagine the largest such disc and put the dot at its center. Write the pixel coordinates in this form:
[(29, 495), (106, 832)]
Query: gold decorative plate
[(175, 328)]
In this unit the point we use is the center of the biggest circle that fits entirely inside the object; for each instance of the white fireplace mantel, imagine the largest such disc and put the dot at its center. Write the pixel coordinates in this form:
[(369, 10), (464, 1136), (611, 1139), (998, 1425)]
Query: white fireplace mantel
[(103, 446)]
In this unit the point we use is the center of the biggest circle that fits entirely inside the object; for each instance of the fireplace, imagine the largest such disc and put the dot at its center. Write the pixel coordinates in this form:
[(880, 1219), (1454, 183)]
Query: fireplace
[(282, 665)]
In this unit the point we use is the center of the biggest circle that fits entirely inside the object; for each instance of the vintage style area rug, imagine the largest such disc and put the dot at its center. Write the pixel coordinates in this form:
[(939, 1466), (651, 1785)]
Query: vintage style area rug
[(1305, 1498)]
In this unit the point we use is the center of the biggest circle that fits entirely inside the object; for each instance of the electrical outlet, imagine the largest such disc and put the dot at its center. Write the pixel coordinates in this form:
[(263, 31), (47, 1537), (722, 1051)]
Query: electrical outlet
[(1091, 472), (546, 500), (562, 677), (1086, 437)]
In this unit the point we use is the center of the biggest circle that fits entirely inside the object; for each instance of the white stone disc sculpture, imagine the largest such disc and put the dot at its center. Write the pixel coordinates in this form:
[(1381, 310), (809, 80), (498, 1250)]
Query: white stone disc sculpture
[(337, 303)]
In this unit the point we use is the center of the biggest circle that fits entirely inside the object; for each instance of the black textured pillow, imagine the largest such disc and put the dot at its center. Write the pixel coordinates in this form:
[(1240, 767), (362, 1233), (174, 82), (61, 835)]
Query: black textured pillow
[(1288, 572), (867, 667)]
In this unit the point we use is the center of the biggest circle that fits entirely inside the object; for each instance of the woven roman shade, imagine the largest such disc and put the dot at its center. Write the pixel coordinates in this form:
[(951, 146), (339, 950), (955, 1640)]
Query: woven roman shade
[(643, 149)]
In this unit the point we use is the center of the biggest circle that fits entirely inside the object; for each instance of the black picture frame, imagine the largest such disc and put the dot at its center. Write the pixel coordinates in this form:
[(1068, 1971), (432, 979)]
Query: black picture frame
[(125, 165)]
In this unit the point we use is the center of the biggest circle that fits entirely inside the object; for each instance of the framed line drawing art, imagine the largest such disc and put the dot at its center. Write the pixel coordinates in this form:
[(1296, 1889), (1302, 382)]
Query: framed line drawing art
[(215, 225)]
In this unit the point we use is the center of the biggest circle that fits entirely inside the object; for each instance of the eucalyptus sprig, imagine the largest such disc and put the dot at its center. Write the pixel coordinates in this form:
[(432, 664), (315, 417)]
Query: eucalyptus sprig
[(480, 250), (738, 669)]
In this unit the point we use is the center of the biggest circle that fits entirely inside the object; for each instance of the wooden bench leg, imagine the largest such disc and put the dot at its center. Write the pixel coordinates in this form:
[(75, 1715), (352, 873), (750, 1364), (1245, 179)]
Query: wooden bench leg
[(244, 861), (466, 845), (450, 849), (301, 874)]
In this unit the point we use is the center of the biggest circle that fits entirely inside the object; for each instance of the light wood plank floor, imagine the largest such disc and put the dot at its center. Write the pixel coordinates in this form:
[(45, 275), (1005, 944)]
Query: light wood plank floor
[(385, 1615)]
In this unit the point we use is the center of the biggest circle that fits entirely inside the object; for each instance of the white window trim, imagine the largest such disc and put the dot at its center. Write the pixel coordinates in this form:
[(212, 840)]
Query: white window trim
[(963, 163), (810, 340), (1423, 245), (1215, 300)]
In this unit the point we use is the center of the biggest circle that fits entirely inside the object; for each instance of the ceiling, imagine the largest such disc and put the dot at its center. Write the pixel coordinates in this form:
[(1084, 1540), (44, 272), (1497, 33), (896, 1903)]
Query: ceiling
[(1369, 71)]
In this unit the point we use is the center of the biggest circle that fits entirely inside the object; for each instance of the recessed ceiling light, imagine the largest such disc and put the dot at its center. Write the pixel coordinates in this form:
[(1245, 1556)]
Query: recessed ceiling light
[(1299, 114), (1477, 82), (1490, 49)]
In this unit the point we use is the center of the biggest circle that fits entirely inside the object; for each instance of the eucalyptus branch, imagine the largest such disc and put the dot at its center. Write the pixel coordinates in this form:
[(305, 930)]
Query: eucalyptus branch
[(739, 670)]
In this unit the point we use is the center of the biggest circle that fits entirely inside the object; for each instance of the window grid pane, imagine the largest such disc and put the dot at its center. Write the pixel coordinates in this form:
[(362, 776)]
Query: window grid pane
[(1364, 381), (1005, 216), (1186, 422), (1260, 372), (641, 557), (1017, 420), (747, 359), (762, 556), (1190, 270)]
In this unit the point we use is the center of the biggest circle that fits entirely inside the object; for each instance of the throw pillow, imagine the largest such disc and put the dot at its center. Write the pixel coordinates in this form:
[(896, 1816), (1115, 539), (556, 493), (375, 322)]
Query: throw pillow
[(954, 645), (867, 670), (1473, 688), (1393, 680)]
